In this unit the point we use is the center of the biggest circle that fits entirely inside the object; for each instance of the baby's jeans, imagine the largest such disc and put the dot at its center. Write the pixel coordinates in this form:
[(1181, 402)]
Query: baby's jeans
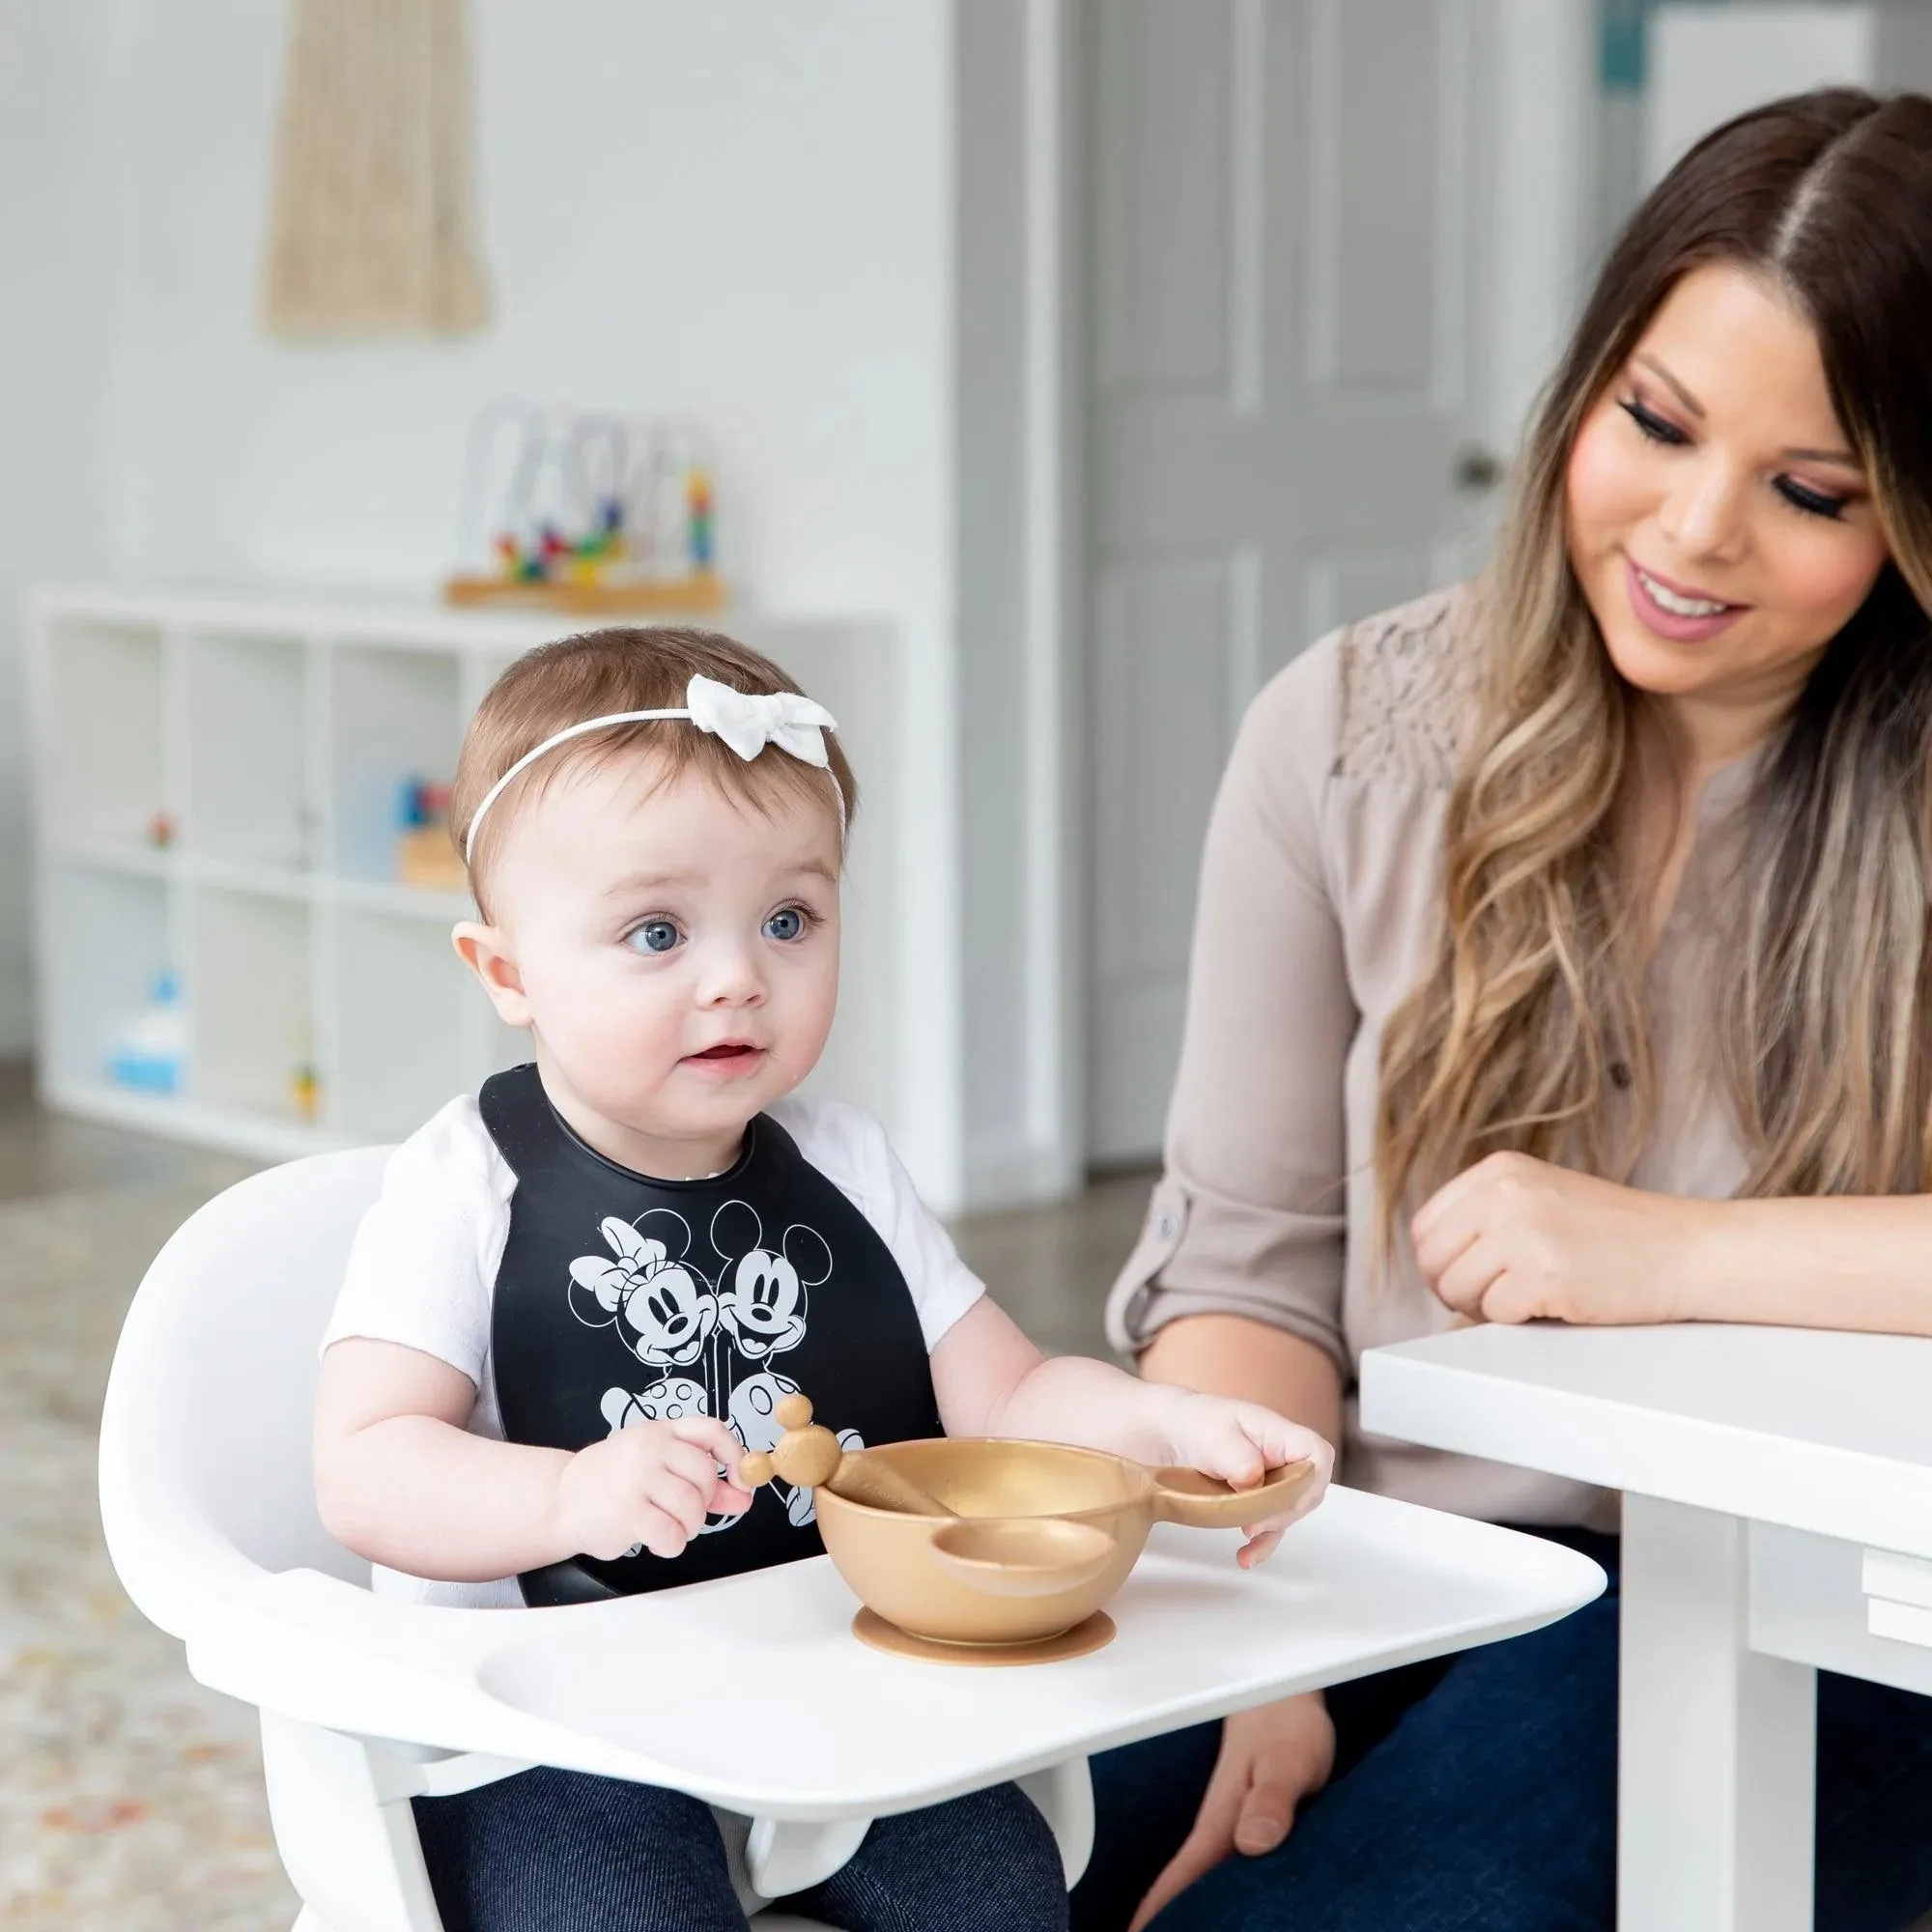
[(561, 1850)]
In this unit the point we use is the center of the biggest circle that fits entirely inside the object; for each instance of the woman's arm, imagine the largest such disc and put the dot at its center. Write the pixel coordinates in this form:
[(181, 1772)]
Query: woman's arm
[(1515, 1239), (1246, 1228), (1843, 1263)]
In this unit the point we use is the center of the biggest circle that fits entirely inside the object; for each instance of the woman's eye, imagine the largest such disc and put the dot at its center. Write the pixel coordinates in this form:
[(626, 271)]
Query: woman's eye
[(1811, 501), (1653, 427), (787, 925), (655, 935)]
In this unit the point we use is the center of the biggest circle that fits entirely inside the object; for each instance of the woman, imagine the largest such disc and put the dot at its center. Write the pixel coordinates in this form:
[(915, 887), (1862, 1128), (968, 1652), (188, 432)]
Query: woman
[(1582, 921)]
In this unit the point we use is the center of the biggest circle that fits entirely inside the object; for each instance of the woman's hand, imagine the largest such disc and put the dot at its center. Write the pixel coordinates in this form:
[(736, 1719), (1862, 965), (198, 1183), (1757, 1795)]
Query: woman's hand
[(1241, 1442), (1513, 1240), (1272, 1759)]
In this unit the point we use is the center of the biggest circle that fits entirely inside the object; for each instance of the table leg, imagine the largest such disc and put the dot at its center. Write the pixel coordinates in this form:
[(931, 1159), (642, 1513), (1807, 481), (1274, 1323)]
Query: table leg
[(1716, 1755)]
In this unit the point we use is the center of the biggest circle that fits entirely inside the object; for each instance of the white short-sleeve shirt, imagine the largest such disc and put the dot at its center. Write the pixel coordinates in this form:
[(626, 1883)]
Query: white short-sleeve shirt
[(422, 1270)]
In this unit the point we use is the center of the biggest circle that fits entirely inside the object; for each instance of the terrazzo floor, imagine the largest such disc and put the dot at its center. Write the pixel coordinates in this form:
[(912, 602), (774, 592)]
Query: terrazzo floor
[(132, 1798)]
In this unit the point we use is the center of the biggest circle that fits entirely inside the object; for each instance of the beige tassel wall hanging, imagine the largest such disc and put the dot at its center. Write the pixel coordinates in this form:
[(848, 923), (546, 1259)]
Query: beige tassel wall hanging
[(370, 226)]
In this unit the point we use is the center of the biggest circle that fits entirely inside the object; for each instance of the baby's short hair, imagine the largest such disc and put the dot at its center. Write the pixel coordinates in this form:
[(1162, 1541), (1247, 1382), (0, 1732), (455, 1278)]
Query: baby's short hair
[(626, 667)]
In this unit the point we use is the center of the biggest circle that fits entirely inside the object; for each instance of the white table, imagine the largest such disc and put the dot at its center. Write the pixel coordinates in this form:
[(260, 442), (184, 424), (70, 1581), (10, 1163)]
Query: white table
[(753, 1695), (1777, 1521)]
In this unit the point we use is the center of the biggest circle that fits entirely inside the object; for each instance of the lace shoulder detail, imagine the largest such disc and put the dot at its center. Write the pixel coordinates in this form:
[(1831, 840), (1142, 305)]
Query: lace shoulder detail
[(1408, 684)]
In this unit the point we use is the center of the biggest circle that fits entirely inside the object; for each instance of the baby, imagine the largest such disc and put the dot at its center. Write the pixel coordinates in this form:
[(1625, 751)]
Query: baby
[(581, 1293)]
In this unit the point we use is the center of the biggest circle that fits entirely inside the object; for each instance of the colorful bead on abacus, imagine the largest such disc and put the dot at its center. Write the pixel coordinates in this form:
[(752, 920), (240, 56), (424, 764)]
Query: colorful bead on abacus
[(698, 506)]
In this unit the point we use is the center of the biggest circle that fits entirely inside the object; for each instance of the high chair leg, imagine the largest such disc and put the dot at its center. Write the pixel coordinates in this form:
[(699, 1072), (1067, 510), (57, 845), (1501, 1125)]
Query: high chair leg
[(345, 1832), (786, 1856), (1064, 1795)]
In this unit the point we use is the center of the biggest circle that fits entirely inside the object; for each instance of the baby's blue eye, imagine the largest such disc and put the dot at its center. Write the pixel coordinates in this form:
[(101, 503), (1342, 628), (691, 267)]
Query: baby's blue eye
[(787, 925), (655, 935)]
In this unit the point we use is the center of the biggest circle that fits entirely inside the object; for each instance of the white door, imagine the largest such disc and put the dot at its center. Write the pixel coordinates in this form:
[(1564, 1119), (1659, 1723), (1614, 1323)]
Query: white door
[(1284, 260)]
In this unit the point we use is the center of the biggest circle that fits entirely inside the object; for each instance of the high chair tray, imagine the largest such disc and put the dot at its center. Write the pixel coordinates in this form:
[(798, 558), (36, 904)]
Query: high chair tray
[(752, 1693)]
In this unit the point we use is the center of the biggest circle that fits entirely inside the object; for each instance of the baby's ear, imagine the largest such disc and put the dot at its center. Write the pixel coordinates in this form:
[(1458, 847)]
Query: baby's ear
[(486, 950)]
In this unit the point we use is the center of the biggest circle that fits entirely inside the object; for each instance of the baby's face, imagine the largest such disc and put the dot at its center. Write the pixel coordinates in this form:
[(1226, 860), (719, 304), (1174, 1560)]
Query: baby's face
[(678, 953)]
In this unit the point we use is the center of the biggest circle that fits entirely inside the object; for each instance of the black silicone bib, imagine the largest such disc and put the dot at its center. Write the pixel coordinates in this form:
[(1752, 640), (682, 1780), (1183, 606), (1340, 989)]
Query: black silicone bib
[(622, 1299)]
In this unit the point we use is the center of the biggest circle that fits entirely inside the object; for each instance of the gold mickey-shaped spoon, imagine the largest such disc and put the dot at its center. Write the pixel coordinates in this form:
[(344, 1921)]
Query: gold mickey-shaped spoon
[(810, 1457)]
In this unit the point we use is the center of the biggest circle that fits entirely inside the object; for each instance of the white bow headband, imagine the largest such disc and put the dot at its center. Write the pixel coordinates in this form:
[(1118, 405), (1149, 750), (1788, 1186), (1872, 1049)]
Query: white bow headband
[(747, 721)]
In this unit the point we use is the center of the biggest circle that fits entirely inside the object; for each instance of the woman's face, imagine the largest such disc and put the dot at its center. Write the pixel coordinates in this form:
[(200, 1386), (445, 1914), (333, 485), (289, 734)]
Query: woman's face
[(1718, 521)]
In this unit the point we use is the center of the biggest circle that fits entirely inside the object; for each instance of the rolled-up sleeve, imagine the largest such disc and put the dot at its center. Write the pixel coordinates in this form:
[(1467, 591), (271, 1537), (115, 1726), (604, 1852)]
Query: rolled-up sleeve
[(1249, 1214)]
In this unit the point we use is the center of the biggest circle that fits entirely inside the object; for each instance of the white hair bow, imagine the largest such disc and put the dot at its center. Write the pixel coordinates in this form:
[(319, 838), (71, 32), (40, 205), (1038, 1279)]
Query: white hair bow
[(749, 721)]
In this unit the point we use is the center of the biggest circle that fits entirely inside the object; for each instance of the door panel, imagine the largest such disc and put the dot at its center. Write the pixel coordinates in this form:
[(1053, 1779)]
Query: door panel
[(1279, 221), (1161, 247), (1374, 126)]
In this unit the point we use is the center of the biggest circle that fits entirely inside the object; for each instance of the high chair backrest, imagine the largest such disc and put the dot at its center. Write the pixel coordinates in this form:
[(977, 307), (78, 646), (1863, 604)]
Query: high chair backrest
[(205, 1460)]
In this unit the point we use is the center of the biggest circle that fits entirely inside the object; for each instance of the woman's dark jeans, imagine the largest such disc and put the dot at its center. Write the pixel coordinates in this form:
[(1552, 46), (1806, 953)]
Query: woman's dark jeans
[(560, 1850), (1480, 1791)]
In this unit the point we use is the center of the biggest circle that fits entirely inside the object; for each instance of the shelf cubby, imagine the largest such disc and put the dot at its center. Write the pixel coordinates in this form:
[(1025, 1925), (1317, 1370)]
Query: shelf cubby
[(247, 723), (113, 931), (399, 1052), (395, 715), (103, 747), (481, 670), (248, 998)]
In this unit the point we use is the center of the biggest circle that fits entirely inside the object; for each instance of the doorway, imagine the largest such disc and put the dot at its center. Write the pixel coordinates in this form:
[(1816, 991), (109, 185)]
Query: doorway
[(1297, 243)]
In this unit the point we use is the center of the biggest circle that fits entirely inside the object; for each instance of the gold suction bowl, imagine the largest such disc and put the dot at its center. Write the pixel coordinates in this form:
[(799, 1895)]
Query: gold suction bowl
[(1049, 1534), (979, 1542)]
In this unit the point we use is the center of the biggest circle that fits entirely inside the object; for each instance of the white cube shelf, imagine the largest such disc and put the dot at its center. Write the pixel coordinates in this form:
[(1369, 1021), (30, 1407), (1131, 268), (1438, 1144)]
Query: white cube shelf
[(324, 1002), (409, 708), (102, 716), (245, 782)]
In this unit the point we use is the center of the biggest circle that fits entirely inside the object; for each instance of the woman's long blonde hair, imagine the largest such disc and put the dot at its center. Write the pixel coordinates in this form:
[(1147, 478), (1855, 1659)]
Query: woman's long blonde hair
[(1534, 991)]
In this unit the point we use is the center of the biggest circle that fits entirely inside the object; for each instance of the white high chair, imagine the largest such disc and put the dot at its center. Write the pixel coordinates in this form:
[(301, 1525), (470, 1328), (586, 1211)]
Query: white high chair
[(749, 1692), (208, 1504)]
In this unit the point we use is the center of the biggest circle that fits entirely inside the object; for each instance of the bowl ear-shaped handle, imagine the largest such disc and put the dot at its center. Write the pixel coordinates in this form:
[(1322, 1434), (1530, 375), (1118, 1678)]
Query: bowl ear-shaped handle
[(1205, 1502), (1021, 1556)]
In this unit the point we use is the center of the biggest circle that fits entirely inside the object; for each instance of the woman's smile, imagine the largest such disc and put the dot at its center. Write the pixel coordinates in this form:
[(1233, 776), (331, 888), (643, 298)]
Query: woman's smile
[(1674, 612)]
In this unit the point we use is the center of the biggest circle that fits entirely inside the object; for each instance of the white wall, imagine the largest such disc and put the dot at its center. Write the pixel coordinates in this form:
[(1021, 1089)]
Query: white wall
[(992, 607), (53, 337), (743, 210), (1018, 202)]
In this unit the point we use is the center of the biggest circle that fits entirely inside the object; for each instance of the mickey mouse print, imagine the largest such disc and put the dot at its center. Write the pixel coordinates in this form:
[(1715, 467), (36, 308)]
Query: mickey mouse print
[(620, 1299), (713, 1323)]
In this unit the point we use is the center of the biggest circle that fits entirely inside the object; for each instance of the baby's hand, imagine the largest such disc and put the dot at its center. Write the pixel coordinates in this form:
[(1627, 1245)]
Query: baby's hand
[(653, 1482), (1241, 1442)]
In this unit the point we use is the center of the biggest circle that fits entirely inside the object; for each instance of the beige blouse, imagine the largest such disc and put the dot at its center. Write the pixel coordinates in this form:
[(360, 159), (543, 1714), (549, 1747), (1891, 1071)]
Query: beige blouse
[(1320, 892)]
